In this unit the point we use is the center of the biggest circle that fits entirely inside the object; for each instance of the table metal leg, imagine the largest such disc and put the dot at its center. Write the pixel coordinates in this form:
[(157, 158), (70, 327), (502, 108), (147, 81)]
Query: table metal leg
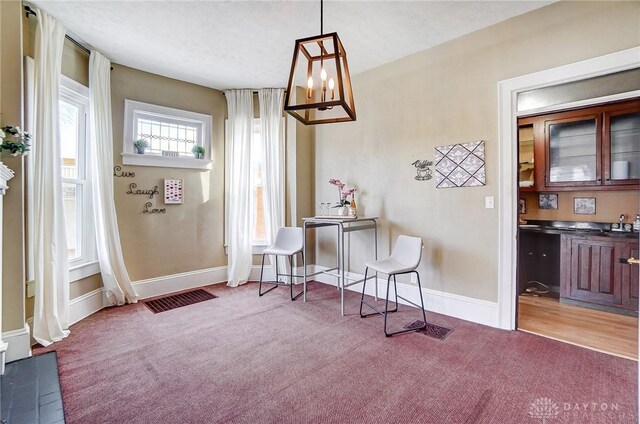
[(375, 243), (338, 265), (342, 274), (304, 261)]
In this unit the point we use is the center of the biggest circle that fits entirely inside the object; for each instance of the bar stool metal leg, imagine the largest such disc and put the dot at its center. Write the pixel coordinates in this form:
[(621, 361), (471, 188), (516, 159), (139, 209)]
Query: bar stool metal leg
[(291, 280), (424, 314), (364, 287), (260, 292)]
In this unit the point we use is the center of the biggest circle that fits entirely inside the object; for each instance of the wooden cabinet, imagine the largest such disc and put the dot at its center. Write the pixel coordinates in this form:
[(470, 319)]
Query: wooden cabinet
[(526, 165), (594, 148), (630, 278), (591, 271)]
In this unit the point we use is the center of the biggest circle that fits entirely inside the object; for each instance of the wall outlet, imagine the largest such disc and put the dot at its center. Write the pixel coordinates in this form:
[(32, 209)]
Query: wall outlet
[(488, 202)]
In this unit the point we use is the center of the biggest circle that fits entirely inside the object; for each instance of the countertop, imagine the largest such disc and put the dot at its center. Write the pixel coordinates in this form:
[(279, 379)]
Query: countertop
[(575, 228)]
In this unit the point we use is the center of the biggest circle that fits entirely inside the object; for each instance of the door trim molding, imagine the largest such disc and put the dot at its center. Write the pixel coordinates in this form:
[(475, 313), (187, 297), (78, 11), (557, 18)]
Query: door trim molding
[(507, 135)]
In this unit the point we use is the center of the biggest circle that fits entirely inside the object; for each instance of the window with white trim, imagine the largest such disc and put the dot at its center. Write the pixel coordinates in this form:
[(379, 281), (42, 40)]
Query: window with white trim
[(73, 108), (167, 136)]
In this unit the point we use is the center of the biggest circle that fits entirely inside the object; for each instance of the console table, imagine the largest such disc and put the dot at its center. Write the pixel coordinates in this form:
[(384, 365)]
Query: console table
[(342, 226)]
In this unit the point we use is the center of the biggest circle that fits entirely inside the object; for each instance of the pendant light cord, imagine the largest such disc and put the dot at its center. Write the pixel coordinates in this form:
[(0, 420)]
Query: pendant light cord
[(321, 16)]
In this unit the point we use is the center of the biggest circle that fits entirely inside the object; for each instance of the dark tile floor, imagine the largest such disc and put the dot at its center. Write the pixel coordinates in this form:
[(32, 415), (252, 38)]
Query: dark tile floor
[(30, 391)]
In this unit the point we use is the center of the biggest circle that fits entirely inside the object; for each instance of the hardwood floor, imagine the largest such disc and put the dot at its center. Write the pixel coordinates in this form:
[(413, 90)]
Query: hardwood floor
[(602, 331)]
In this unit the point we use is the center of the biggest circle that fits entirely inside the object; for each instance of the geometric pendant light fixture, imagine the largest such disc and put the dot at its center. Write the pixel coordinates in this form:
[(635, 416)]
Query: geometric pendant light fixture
[(320, 79)]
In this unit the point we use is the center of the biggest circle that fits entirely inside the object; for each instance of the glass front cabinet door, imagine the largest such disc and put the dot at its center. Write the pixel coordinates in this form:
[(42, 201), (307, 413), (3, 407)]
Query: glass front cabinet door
[(622, 147), (594, 148), (573, 151)]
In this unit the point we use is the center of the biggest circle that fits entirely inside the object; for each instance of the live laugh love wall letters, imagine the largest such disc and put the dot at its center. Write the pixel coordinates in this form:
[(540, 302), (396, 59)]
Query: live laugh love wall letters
[(134, 190)]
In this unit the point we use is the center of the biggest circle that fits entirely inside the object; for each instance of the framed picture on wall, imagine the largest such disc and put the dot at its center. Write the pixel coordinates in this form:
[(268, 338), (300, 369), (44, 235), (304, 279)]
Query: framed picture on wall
[(522, 206), (584, 205), (548, 201), (172, 191)]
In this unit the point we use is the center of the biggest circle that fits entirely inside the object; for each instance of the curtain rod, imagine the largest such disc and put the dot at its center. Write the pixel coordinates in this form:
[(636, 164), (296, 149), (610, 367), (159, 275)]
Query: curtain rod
[(252, 92), (29, 11)]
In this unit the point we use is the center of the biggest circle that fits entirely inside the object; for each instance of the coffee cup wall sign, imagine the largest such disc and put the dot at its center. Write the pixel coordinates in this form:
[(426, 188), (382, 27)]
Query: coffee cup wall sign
[(423, 172)]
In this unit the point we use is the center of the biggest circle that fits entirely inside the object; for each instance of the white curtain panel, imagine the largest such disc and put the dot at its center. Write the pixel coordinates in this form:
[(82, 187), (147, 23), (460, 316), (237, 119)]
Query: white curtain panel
[(273, 147), (115, 278), (240, 112), (51, 312)]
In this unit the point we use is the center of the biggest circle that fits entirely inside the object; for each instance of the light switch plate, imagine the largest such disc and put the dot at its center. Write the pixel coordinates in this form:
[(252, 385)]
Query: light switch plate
[(488, 202)]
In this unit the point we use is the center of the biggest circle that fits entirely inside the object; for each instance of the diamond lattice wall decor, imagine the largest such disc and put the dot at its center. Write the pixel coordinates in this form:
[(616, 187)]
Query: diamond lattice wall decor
[(460, 165)]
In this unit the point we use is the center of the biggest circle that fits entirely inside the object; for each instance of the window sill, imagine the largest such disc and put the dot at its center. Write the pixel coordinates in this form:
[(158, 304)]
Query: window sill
[(79, 272), (165, 162)]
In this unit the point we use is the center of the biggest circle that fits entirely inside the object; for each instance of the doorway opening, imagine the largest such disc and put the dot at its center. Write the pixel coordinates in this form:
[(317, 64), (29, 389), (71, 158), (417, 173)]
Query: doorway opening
[(509, 113), (578, 180)]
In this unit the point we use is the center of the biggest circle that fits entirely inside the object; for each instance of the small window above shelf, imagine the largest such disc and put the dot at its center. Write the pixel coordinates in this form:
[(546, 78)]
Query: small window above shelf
[(169, 137)]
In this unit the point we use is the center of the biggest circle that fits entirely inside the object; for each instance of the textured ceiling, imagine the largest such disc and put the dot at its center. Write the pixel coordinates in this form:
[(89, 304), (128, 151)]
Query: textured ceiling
[(249, 44)]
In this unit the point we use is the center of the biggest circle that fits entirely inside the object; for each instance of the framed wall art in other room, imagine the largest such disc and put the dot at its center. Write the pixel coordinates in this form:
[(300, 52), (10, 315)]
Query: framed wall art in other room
[(584, 205), (548, 201)]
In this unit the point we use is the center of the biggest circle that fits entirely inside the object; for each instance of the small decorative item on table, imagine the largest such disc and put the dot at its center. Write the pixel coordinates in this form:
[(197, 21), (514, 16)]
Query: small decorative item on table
[(522, 206), (343, 205)]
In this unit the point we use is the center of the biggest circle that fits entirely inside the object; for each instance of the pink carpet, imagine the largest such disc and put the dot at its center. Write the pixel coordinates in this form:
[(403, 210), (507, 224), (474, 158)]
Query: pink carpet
[(244, 359)]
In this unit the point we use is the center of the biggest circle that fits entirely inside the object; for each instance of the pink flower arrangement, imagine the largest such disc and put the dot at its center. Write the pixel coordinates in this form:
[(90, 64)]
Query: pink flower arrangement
[(342, 193)]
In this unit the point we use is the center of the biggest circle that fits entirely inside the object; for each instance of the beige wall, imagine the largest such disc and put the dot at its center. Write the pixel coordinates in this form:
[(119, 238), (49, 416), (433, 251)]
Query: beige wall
[(609, 206), (75, 63), (189, 236), (445, 95), (13, 272)]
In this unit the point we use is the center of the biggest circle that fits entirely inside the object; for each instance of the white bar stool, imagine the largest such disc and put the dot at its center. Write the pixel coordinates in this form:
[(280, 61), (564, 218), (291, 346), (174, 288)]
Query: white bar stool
[(289, 242), (405, 258)]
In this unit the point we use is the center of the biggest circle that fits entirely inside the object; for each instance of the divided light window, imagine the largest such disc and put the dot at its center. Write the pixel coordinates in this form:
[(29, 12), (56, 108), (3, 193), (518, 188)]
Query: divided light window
[(167, 135), (72, 141), (170, 133), (73, 108)]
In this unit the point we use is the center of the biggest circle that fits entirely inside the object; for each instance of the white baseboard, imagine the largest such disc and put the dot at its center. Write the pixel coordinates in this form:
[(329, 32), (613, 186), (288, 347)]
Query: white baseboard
[(159, 286), (19, 343), (90, 303), (87, 304), (466, 308)]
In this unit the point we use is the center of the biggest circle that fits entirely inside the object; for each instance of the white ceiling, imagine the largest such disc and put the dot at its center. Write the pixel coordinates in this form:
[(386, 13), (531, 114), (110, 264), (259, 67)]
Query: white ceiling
[(249, 44)]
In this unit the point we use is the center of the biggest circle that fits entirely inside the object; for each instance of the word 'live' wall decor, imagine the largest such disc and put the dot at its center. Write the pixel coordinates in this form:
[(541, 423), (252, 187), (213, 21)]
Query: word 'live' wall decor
[(460, 165)]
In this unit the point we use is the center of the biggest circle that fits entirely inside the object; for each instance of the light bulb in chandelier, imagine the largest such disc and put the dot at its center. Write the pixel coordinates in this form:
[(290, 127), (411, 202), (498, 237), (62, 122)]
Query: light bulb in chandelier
[(332, 84), (309, 87)]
